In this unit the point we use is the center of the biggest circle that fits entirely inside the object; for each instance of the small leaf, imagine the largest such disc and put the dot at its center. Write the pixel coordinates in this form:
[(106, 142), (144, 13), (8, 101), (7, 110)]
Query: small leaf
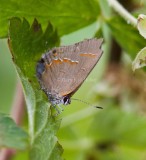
[(98, 33), (11, 135), (27, 44), (141, 24), (140, 60), (126, 35)]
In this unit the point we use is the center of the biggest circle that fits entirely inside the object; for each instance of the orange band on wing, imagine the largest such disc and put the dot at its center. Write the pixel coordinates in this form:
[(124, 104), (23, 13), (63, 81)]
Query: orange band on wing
[(88, 54), (70, 61), (57, 61), (66, 60)]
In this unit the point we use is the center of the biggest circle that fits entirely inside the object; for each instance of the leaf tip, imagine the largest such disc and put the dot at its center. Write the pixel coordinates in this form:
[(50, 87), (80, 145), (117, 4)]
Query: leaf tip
[(36, 27)]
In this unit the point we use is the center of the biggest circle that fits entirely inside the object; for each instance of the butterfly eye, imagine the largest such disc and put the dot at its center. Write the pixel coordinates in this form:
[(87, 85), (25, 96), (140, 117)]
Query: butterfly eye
[(66, 100)]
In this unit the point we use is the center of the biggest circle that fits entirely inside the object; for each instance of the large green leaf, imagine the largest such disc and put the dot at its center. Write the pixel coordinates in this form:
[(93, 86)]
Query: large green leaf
[(27, 44), (11, 135), (126, 35), (118, 135), (128, 129), (67, 16)]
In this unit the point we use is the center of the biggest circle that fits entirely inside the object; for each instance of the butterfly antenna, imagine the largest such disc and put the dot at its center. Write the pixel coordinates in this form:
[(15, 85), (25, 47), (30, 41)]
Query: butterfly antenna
[(86, 103)]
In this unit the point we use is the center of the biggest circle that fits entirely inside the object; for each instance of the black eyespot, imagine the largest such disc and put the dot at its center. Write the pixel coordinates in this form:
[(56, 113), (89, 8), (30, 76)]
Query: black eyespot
[(42, 60), (54, 51)]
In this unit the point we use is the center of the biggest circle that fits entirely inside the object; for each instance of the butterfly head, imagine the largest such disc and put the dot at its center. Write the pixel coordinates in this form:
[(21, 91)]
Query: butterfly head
[(55, 99)]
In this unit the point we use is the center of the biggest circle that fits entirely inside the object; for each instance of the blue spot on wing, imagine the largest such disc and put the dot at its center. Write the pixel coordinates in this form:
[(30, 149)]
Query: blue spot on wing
[(40, 68)]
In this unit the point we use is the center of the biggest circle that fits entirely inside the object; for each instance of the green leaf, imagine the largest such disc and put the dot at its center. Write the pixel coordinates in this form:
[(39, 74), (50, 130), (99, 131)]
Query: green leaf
[(27, 43), (128, 129), (126, 35), (11, 135), (140, 60), (67, 16), (46, 147), (99, 33)]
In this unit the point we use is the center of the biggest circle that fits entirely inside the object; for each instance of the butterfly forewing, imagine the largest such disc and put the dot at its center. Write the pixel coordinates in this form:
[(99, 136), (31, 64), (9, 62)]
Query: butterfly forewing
[(70, 66)]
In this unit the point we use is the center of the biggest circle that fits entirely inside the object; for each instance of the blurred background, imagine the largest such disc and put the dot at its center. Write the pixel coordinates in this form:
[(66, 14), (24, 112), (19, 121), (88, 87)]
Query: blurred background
[(118, 131)]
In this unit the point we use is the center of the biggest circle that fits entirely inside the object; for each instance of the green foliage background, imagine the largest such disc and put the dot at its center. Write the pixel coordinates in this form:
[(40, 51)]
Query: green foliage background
[(83, 132)]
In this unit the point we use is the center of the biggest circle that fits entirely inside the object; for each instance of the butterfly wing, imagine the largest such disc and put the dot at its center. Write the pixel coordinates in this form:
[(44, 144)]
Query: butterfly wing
[(66, 68)]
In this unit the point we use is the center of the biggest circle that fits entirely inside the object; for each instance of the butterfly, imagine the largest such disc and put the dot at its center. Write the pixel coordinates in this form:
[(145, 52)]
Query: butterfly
[(62, 70)]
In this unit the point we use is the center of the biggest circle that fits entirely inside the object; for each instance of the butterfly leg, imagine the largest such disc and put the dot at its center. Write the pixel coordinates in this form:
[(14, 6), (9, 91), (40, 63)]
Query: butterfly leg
[(58, 109), (61, 109)]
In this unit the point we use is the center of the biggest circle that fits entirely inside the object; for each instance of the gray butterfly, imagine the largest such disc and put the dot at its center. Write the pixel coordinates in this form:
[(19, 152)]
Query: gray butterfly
[(62, 70)]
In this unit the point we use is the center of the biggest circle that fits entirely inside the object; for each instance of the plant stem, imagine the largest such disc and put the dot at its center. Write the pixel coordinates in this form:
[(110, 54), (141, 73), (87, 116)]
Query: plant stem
[(18, 105), (17, 115), (80, 115), (83, 144), (123, 12), (6, 154)]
